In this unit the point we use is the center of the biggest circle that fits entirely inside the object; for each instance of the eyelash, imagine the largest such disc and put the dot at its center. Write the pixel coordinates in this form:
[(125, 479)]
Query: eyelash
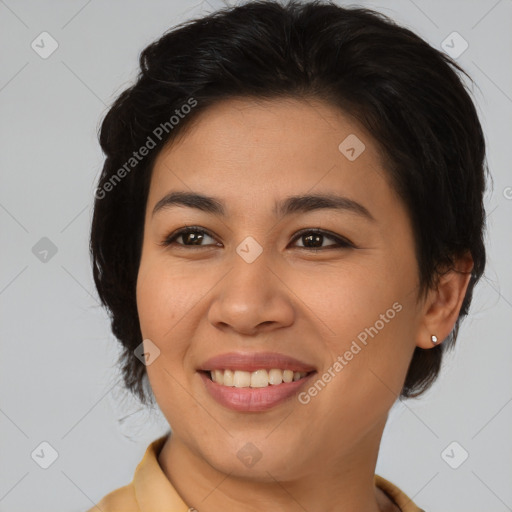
[(341, 243)]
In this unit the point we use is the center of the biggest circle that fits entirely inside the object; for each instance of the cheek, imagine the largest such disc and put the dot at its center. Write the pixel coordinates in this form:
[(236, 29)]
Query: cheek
[(164, 303), (162, 300), (369, 316), (369, 349), (350, 298)]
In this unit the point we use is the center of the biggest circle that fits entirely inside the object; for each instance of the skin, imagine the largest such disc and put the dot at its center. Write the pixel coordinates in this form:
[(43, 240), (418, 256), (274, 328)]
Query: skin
[(197, 302)]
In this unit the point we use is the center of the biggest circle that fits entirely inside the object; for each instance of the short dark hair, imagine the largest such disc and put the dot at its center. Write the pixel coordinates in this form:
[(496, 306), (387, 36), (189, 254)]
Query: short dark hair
[(409, 96)]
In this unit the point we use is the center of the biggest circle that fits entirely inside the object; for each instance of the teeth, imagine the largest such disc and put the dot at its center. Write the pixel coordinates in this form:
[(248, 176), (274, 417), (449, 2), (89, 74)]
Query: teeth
[(287, 376), (258, 379), (241, 379), (228, 378), (275, 377), (219, 376)]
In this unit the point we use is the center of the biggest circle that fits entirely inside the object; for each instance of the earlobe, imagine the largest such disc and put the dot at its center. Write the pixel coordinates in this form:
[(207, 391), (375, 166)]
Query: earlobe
[(442, 307)]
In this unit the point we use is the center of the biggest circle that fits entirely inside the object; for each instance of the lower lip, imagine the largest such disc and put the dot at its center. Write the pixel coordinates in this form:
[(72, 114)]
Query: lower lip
[(253, 399)]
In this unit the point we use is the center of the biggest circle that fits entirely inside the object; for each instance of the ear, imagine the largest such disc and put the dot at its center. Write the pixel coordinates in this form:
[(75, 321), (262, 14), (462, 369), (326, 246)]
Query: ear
[(442, 305)]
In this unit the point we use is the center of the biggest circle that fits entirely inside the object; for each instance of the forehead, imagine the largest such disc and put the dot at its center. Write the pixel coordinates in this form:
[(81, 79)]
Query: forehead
[(250, 123), (247, 149)]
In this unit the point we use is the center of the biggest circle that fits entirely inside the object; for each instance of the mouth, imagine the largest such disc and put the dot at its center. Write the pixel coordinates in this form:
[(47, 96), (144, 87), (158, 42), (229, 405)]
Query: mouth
[(254, 382), (260, 378)]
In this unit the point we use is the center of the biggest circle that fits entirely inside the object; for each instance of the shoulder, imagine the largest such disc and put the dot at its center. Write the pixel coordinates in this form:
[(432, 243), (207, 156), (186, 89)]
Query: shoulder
[(147, 484), (401, 499), (120, 500)]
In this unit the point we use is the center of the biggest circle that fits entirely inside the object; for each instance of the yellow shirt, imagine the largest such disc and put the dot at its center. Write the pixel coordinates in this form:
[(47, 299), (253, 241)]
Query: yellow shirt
[(151, 491)]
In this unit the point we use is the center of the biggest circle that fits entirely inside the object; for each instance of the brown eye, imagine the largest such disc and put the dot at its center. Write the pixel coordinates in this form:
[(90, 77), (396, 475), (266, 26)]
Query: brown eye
[(189, 237), (313, 239)]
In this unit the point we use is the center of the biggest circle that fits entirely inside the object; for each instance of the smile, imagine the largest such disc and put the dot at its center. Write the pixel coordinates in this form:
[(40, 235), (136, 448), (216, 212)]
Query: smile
[(245, 397), (257, 379)]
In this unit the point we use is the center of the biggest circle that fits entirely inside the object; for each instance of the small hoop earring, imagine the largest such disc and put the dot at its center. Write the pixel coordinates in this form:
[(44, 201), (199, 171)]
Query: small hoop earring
[(434, 339)]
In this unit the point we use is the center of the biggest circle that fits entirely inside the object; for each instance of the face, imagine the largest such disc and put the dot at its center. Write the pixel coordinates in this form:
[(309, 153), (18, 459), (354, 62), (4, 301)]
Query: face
[(322, 291)]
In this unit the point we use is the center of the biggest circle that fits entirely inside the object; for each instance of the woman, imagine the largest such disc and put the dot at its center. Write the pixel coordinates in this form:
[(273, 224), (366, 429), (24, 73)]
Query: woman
[(287, 233)]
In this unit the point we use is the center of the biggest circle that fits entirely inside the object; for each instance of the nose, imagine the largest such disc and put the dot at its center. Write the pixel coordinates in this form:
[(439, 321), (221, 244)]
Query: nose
[(251, 298)]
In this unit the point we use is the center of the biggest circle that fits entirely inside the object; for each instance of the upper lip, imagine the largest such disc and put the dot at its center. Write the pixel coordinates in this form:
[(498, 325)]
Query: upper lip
[(252, 361)]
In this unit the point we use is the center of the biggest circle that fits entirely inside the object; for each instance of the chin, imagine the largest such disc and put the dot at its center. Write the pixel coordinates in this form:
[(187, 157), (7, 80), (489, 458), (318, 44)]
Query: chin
[(260, 461)]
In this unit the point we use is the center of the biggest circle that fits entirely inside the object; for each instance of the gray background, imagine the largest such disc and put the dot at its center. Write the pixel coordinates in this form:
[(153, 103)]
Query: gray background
[(58, 381)]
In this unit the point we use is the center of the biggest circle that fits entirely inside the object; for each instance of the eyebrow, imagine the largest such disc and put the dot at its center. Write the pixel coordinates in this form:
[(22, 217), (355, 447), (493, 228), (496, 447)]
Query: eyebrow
[(288, 206)]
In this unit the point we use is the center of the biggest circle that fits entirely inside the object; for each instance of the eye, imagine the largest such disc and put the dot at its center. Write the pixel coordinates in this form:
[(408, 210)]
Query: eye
[(190, 236), (313, 239)]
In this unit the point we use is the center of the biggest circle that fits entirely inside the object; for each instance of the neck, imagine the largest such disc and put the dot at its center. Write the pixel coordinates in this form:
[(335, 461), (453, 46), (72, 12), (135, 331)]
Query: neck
[(328, 484)]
